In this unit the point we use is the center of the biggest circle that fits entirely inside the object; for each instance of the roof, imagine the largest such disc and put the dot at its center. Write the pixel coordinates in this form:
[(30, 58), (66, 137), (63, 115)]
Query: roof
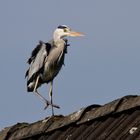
[(117, 120)]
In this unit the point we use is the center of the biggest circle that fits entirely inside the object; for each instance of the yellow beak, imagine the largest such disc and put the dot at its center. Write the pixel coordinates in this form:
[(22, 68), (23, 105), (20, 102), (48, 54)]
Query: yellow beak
[(73, 33)]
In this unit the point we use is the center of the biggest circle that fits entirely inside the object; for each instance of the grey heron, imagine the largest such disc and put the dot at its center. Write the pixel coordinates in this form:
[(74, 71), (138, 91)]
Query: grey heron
[(46, 61)]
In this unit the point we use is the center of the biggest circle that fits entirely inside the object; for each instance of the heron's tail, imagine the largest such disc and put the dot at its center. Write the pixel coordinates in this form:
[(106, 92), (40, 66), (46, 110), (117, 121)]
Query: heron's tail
[(30, 89), (30, 86)]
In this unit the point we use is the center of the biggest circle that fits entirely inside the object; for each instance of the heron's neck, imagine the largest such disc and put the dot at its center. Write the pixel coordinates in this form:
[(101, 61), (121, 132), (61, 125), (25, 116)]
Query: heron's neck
[(57, 37)]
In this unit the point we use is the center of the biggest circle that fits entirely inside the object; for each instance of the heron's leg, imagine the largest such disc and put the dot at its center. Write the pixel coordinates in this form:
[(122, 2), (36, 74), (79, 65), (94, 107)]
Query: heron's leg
[(50, 94), (41, 97), (38, 94)]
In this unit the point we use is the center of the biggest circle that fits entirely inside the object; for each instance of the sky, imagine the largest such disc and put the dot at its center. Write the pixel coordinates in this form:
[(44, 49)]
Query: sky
[(102, 66)]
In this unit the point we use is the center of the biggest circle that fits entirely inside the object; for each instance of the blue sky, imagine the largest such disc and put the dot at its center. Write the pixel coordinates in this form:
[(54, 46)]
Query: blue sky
[(100, 67)]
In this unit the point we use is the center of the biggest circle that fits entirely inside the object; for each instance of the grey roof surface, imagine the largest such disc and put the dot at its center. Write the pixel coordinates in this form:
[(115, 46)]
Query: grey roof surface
[(117, 120)]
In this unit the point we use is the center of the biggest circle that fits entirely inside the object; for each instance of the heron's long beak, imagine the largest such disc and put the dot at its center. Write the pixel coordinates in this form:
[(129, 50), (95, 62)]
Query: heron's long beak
[(73, 33)]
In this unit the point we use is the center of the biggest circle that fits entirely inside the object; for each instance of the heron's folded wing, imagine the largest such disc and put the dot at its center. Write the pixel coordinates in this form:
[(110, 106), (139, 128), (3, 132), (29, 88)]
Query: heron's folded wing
[(37, 59)]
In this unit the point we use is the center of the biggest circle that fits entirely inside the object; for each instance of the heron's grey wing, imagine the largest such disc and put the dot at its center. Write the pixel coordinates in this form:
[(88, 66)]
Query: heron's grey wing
[(37, 59), (35, 52)]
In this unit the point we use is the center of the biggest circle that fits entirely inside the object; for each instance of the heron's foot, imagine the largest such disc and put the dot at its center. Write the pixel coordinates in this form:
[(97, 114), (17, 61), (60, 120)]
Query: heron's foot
[(50, 104)]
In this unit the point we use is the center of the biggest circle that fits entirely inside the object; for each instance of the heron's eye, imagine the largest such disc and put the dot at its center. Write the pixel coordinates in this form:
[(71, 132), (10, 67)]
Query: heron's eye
[(65, 30)]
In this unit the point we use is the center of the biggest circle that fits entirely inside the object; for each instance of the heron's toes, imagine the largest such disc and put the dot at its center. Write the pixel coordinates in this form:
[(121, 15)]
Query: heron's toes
[(46, 104), (56, 106), (50, 104)]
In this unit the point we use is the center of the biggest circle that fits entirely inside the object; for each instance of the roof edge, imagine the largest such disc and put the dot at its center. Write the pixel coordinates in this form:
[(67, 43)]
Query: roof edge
[(24, 130)]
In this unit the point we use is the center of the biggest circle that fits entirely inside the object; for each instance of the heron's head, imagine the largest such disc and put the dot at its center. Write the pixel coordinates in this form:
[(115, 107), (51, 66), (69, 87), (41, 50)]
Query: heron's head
[(64, 31)]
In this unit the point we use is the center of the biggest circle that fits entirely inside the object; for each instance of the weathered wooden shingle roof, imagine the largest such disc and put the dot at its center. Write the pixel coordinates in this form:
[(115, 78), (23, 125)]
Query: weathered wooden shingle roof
[(117, 120)]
